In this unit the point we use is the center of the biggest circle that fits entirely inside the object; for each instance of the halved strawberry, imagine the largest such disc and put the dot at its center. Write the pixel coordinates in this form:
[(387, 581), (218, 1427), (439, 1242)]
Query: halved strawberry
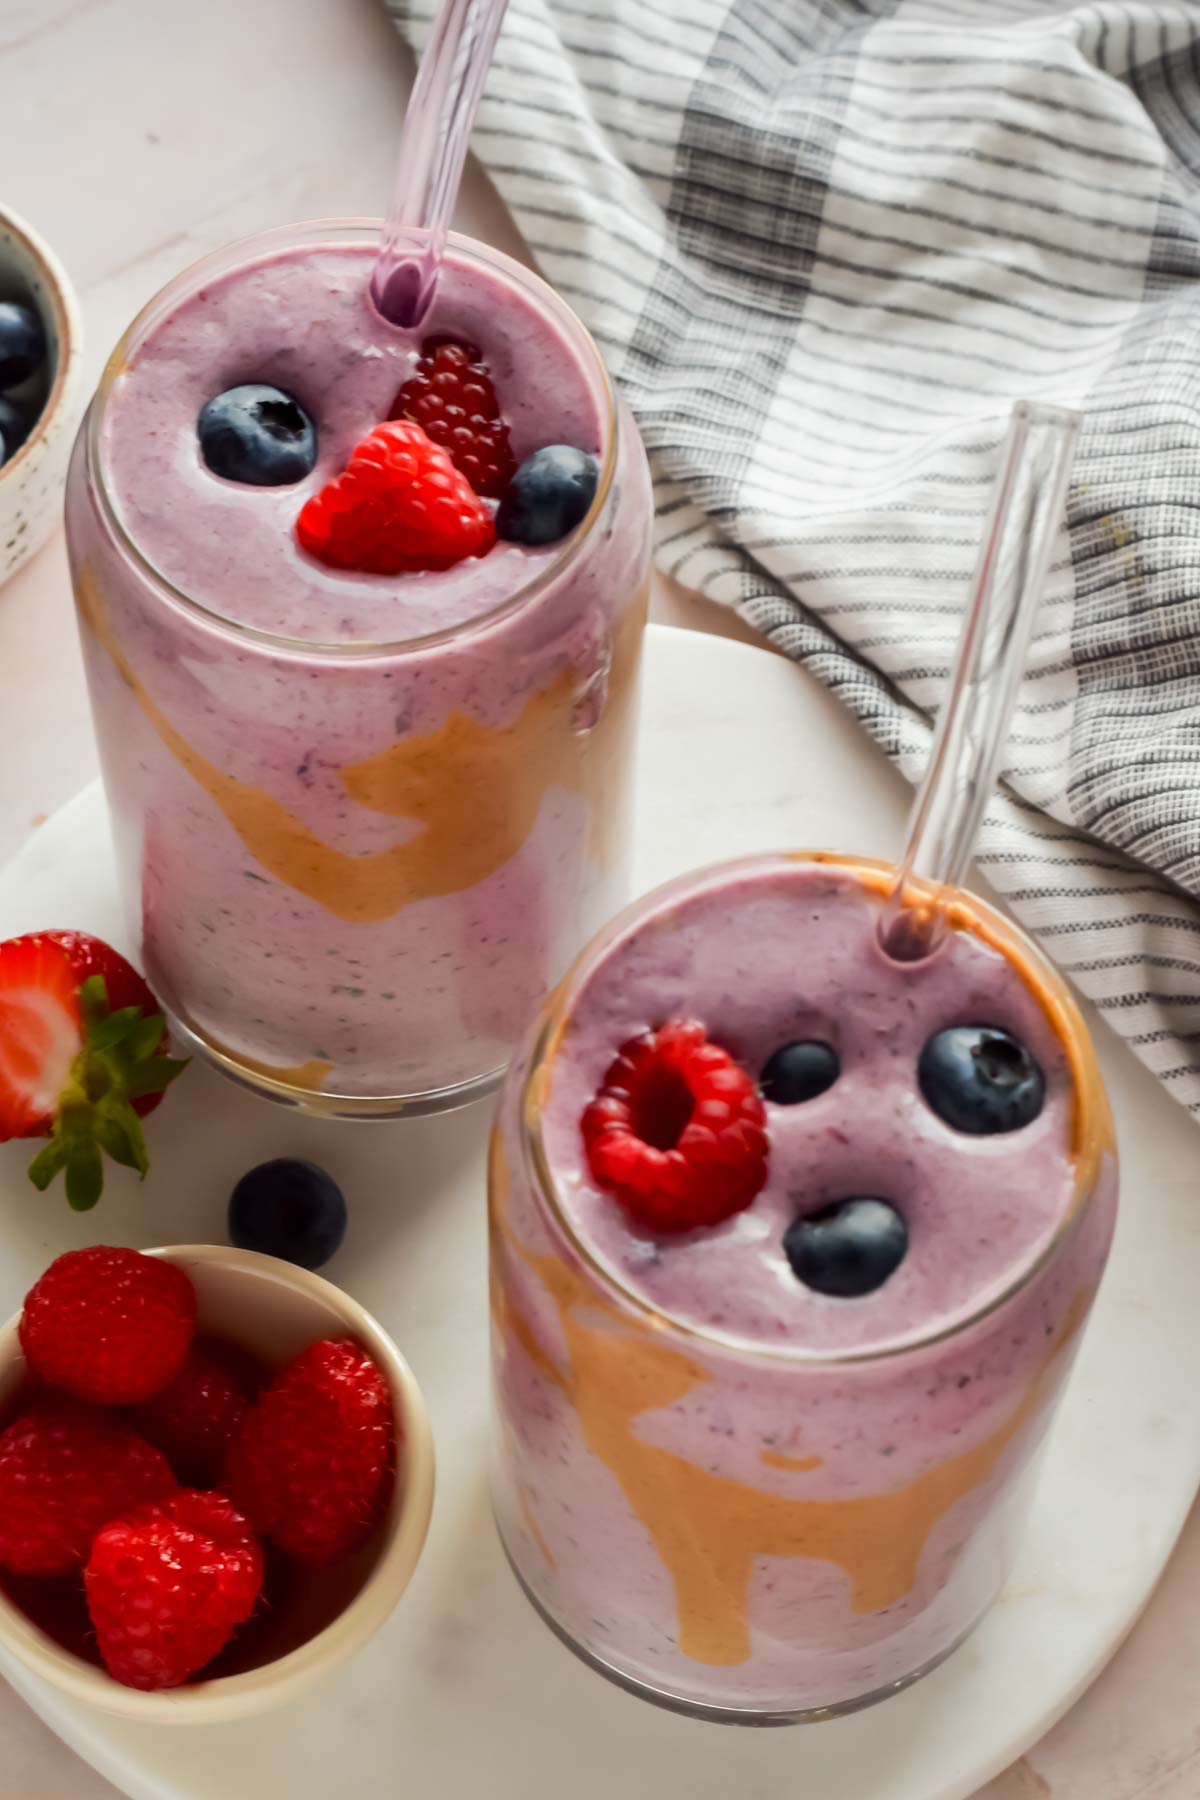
[(82, 1057)]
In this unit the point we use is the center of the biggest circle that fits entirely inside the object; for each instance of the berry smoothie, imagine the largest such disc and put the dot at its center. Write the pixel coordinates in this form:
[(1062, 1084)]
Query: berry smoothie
[(792, 1249), (361, 612)]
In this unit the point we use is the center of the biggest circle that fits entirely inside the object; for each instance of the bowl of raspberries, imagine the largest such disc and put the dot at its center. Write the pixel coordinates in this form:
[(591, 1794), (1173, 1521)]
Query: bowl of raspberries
[(216, 1475)]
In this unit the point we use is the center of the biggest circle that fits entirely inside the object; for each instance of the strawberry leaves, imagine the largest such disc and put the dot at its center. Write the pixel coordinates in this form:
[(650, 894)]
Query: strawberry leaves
[(120, 1061)]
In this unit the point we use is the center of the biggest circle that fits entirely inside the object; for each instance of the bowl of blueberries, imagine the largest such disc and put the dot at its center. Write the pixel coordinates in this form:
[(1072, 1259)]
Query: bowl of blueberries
[(41, 389)]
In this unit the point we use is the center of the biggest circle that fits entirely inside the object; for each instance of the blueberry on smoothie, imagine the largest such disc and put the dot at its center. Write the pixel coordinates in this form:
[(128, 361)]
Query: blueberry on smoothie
[(981, 1080), (257, 435), (289, 1209), (799, 1071), (548, 496), (22, 343), (848, 1249)]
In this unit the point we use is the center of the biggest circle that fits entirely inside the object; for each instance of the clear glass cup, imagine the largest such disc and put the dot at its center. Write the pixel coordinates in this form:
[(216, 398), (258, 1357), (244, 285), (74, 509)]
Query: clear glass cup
[(759, 1531), (353, 869)]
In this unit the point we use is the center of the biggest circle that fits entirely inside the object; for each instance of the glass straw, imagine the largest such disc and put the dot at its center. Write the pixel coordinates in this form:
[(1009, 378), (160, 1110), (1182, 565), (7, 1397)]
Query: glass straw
[(433, 147), (1014, 555)]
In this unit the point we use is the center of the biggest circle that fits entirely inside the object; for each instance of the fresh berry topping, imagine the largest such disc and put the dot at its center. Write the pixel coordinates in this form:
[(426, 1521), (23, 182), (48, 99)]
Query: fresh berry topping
[(452, 399), (400, 505), (799, 1071), (109, 1324), (168, 1585), (257, 435), (548, 496), (82, 1057), (14, 427), (41, 1032), (290, 1209), (848, 1249), (65, 1470), (980, 1079), (194, 1419), (22, 343), (312, 1463), (676, 1131)]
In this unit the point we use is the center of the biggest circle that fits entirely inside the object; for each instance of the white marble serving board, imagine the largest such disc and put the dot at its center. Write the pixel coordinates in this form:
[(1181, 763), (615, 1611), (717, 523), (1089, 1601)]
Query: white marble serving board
[(465, 1693)]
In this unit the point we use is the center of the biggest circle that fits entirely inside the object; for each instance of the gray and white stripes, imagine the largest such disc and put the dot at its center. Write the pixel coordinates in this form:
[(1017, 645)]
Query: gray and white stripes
[(824, 244)]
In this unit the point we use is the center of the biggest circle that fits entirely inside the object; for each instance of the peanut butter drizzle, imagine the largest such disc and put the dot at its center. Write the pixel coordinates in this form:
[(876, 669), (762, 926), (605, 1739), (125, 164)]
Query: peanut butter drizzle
[(1093, 1136), (709, 1529), (802, 1464), (534, 1529), (475, 790), (310, 1075)]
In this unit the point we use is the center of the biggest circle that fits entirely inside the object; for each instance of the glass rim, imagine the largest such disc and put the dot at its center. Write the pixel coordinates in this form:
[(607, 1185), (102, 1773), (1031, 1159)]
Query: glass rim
[(551, 1025), (333, 230)]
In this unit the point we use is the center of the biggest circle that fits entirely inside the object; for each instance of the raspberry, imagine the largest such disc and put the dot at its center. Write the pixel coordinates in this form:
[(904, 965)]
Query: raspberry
[(452, 398), (168, 1585), (400, 505), (676, 1132), (65, 1470), (194, 1418), (108, 1324), (312, 1463)]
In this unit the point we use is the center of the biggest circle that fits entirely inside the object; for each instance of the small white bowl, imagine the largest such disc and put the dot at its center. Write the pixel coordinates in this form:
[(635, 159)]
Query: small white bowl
[(275, 1310), (32, 481)]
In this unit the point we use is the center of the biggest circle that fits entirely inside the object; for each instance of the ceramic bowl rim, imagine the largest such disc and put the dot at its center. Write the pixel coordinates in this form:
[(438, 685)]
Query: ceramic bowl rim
[(66, 324)]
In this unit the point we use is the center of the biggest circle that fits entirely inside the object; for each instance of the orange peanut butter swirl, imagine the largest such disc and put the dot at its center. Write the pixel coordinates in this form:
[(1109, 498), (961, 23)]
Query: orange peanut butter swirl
[(1093, 1137), (474, 790), (707, 1528)]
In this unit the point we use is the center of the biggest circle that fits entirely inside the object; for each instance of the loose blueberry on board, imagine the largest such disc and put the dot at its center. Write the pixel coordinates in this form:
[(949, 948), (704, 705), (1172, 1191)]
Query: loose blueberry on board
[(289, 1209), (548, 496), (257, 435), (981, 1080), (799, 1071), (848, 1249), (22, 343), (14, 427)]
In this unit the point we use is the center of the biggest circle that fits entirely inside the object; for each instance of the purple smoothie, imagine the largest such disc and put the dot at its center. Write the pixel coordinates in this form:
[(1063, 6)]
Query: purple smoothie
[(362, 822), (721, 1485)]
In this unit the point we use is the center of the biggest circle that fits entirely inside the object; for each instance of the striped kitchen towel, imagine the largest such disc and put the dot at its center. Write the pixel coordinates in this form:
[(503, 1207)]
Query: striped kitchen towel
[(823, 245)]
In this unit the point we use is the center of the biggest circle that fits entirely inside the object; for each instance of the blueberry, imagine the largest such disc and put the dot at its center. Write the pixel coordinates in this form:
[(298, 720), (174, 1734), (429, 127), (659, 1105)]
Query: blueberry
[(848, 1249), (14, 427), (548, 495), (799, 1071), (22, 343), (290, 1209), (981, 1079), (258, 435)]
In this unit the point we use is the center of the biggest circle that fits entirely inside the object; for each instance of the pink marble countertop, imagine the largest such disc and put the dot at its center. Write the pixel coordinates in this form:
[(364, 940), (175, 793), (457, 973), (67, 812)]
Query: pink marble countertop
[(135, 137)]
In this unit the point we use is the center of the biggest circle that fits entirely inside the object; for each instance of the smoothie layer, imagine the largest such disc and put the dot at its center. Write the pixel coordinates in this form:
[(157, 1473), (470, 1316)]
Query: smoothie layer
[(793, 955), (357, 872), (775, 1533), (302, 320)]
